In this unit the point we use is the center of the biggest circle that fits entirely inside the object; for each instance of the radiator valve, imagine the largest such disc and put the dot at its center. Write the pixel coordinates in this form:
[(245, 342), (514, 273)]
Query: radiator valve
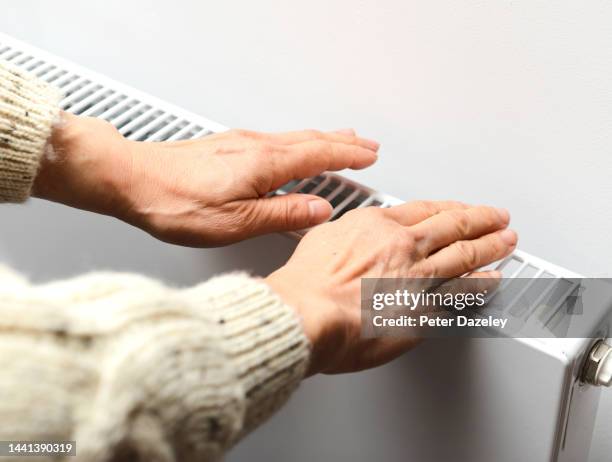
[(598, 367)]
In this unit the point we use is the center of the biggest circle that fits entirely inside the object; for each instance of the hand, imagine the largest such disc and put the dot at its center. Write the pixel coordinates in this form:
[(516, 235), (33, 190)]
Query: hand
[(418, 239), (205, 192)]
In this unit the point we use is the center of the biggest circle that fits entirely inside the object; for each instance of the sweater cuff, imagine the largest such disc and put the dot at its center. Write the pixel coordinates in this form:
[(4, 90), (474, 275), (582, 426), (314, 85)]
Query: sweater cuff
[(28, 107), (262, 337)]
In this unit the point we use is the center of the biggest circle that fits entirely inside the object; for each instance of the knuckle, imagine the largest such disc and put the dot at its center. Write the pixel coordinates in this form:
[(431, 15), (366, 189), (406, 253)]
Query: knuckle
[(497, 246), (427, 207), (313, 133), (406, 238), (489, 216), (292, 213), (284, 213), (461, 221), (424, 269), (419, 239), (468, 254)]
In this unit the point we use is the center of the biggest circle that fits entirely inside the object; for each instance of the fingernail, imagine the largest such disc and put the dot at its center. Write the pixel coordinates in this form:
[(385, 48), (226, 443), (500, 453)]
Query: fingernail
[(504, 215), (508, 236), (371, 144), (319, 210)]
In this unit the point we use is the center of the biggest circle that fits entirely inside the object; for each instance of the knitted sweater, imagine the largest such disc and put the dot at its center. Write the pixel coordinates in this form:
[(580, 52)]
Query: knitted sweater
[(128, 368)]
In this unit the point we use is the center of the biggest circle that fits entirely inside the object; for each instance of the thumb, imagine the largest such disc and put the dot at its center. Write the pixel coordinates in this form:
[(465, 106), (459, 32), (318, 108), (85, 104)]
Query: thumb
[(290, 212)]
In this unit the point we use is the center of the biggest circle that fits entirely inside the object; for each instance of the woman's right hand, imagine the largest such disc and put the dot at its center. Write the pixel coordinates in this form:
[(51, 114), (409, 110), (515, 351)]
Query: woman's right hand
[(322, 279)]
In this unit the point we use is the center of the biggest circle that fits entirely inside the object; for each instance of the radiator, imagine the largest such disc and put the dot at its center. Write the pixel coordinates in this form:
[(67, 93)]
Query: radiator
[(531, 399)]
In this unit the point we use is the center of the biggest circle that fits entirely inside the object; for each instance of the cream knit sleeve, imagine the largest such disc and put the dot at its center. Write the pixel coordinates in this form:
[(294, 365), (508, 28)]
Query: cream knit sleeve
[(128, 368), (28, 107), (133, 370)]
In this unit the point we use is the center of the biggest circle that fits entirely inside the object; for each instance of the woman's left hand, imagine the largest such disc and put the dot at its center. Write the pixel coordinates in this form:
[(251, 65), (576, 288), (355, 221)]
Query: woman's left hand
[(204, 192)]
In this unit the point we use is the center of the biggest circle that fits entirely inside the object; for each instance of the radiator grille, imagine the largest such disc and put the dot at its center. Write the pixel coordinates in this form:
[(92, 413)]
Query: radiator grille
[(135, 117)]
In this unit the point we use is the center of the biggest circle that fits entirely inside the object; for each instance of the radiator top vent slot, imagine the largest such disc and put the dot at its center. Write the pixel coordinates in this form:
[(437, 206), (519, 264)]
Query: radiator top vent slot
[(88, 94)]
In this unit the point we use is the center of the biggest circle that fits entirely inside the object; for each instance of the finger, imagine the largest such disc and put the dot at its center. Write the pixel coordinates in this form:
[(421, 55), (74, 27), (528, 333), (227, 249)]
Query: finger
[(482, 283), (346, 131), (474, 282), (464, 256), (489, 274), (411, 213), (450, 226), (487, 282), (311, 158), (289, 212), (346, 135)]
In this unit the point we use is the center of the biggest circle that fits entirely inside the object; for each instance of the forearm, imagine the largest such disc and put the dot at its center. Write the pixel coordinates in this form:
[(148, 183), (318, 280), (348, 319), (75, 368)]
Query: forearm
[(123, 364)]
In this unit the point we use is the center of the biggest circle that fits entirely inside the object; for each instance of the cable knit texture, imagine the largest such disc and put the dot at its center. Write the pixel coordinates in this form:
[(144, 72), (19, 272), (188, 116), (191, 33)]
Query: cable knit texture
[(28, 107), (130, 369), (133, 370)]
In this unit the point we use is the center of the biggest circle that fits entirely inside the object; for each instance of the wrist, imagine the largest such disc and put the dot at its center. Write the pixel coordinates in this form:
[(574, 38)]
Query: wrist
[(86, 164), (310, 313)]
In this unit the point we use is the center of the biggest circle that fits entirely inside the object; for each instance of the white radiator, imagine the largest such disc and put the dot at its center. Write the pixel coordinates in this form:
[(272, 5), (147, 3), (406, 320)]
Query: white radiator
[(529, 402)]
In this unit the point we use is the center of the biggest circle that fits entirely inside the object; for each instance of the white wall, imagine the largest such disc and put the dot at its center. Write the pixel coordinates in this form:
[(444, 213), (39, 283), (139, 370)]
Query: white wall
[(506, 102)]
